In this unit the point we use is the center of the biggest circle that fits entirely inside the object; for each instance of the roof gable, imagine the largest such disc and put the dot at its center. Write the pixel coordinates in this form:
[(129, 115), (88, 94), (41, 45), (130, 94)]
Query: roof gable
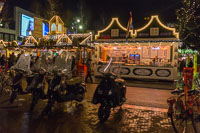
[(156, 29), (113, 31)]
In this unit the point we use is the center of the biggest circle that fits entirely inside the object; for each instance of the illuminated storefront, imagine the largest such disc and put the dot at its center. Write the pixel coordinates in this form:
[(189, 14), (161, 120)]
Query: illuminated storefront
[(150, 52)]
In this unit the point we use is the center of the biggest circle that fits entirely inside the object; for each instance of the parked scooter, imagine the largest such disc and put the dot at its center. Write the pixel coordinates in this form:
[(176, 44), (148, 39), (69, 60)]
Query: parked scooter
[(110, 93), (22, 71), (41, 81), (63, 88)]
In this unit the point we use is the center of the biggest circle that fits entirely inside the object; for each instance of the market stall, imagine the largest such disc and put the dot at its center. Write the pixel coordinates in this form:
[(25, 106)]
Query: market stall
[(2, 48), (150, 52)]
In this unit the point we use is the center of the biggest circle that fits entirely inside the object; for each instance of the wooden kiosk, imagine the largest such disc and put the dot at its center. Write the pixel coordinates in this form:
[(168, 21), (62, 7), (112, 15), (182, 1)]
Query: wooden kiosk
[(150, 52)]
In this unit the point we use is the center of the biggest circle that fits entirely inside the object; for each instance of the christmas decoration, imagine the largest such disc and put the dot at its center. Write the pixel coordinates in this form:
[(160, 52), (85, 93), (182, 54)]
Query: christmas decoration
[(189, 23)]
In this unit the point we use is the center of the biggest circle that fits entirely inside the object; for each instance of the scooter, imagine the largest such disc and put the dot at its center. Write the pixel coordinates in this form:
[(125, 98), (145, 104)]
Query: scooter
[(62, 90), (110, 93), (22, 71), (16, 85), (38, 88)]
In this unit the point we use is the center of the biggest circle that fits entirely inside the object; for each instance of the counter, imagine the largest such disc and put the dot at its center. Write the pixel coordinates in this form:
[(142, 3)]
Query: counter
[(141, 72)]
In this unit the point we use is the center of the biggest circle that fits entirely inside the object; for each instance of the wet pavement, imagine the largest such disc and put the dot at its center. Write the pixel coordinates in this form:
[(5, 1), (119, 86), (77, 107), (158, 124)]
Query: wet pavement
[(144, 112), (82, 118), (146, 83)]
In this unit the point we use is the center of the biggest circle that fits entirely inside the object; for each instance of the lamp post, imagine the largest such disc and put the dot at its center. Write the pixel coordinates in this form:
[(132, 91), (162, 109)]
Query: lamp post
[(78, 21)]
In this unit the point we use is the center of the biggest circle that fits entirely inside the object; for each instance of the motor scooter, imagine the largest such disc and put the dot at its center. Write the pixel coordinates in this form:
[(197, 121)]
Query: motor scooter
[(63, 90), (110, 93), (63, 87)]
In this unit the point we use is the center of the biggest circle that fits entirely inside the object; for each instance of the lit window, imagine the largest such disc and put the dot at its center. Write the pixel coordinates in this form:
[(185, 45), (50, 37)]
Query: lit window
[(53, 27), (59, 28)]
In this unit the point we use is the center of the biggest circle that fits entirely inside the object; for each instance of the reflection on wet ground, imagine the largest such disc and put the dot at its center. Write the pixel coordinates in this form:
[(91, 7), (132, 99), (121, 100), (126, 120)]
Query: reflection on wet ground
[(82, 118), (146, 83)]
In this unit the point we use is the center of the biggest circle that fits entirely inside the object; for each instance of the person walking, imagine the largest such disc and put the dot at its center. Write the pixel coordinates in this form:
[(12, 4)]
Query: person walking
[(88, 64), (3, 61)]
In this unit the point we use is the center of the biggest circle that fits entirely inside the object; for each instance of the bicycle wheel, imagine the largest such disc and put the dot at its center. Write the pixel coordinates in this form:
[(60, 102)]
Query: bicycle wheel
[(196, 115), (181, 122)]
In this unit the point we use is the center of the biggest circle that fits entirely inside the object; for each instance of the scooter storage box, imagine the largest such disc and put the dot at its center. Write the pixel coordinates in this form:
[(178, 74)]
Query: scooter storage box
[(120, 81), (74, 81)]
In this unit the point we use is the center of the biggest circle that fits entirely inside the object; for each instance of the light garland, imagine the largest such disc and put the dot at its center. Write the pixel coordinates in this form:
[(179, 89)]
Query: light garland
[(176, 34), (111, 23)]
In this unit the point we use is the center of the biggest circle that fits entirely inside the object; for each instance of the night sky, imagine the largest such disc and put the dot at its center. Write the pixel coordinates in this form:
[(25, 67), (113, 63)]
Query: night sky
[(120, 8), (98, 13)]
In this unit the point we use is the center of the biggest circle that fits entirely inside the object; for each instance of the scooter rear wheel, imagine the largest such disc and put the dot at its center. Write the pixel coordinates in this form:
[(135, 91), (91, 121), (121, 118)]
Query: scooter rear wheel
[(103, 113)]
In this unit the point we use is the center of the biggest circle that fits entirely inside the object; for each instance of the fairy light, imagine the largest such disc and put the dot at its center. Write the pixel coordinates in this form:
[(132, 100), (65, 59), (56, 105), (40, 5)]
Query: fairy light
[(108, 27)]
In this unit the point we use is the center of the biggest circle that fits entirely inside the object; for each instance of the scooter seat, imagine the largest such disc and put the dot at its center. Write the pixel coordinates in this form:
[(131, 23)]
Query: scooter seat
[(74, 81), (120, 81)]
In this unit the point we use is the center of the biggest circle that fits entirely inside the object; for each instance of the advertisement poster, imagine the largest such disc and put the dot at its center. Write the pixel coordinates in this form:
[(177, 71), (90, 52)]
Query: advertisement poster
[(27, 25)]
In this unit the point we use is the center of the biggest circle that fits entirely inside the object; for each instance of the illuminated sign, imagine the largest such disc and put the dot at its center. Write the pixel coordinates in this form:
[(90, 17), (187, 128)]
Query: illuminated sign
[(27, 25), (1, 6), (45, 29)]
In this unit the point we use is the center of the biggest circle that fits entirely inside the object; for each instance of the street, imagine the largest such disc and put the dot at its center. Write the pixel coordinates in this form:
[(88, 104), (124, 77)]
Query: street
[(144, 111)]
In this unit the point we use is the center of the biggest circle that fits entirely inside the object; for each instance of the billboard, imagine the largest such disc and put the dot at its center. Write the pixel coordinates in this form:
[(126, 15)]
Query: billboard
[(27, 25), (1, 6), (45, 28)]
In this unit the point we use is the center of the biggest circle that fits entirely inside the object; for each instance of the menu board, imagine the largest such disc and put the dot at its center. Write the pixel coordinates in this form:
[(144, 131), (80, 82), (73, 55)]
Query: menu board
[(154, 52), (161, 54), (168, 52), (145, 52)]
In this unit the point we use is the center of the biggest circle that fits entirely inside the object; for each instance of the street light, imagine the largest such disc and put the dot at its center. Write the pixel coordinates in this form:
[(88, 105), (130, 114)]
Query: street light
[(80, 27), (78, 20)]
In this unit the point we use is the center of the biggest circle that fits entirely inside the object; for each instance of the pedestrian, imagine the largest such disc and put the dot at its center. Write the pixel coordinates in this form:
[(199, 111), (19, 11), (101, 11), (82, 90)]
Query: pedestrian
[(88, 64), (190, 64), (3, 61), (73, 63)]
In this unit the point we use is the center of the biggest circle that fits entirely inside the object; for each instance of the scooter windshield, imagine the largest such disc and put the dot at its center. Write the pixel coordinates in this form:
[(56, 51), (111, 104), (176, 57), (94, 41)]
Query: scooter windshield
[(106, 68), (63, 61), (23, 63), (114, 63)]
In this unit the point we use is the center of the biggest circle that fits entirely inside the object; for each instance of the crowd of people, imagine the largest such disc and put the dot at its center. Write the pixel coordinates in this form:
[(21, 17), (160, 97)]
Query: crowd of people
[(8, 62)]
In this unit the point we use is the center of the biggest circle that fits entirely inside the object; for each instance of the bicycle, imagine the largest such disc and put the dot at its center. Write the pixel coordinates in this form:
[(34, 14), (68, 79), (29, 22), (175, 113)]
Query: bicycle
[(5, 82), (184, 109)]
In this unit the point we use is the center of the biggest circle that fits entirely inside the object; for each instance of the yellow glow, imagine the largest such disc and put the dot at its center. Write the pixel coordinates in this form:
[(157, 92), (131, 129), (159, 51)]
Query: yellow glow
[(15, 42), (111, 23), (176, 34), (90, 36), (66, 36), (57, 18), (1, 41), (31, 37)]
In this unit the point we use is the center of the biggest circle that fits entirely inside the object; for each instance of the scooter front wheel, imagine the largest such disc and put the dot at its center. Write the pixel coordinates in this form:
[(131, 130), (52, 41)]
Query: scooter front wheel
[(103, 113), (13, 96)]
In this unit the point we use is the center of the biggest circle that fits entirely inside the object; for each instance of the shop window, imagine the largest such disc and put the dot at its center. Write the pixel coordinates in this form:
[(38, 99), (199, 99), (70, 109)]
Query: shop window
[(114, 32), (53, 27), (6, 37), (59, 28), (154, 31), (1, 36), (12, 37)]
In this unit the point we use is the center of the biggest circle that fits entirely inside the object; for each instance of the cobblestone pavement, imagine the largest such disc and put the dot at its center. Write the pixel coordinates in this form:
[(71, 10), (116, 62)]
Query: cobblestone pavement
[(144, 112)]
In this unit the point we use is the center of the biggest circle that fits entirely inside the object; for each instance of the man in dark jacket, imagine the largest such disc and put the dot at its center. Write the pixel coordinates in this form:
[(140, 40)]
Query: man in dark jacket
[(3, 60), (88, 63)]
